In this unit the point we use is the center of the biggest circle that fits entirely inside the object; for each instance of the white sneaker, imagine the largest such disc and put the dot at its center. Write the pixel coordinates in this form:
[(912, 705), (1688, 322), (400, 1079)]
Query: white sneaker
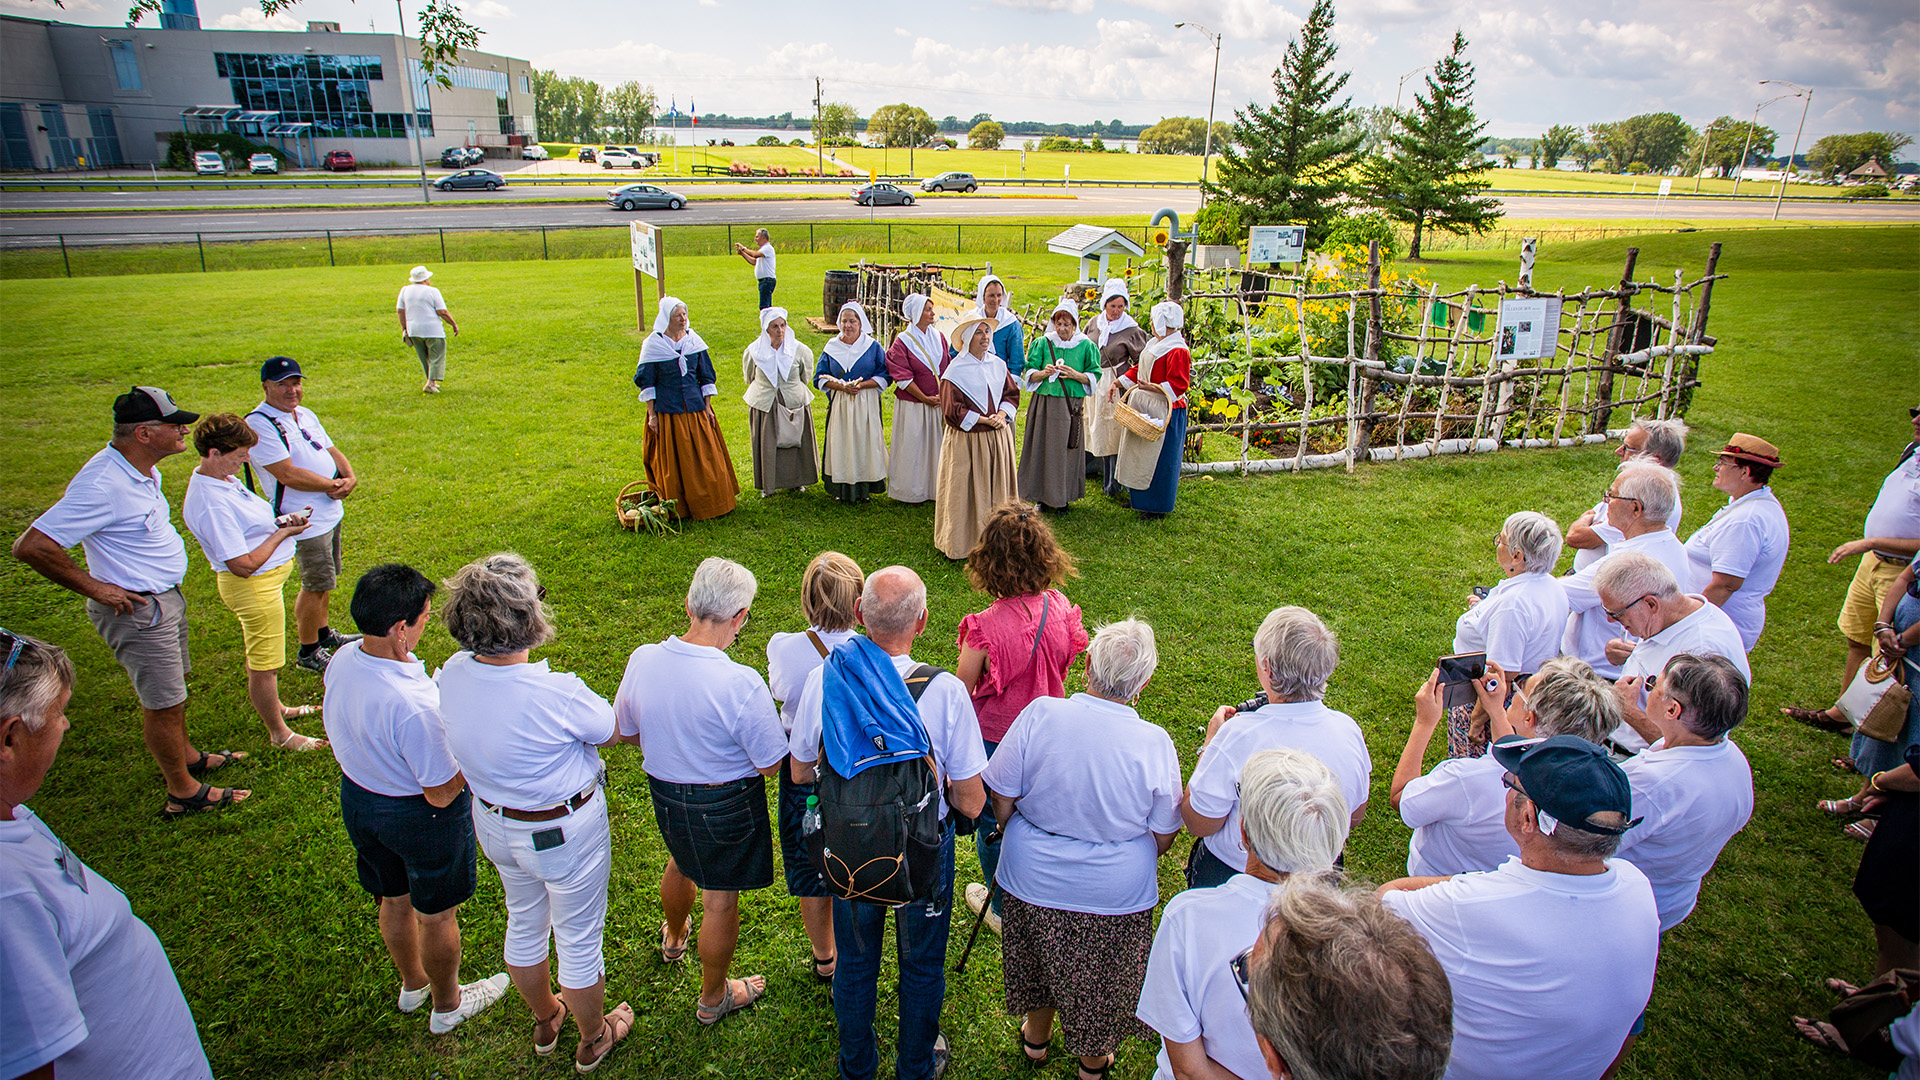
[(977, 899), (475, 997), (411, 1000)]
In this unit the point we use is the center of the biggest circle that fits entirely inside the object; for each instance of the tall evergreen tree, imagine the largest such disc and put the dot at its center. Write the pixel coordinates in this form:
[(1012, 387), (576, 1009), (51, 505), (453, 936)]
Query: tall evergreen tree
[(1433, 174), (1286, 164)]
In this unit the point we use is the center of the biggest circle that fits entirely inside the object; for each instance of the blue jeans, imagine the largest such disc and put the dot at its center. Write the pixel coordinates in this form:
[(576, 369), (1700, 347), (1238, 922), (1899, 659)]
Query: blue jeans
[(988, 851), (920, 938), (766, 292)]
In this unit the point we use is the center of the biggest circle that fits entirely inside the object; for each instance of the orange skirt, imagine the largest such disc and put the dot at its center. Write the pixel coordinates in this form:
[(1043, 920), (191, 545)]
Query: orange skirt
[(687, 462)]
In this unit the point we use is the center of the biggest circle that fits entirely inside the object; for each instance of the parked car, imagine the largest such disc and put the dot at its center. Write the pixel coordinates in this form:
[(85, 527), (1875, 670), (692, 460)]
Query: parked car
[(471, 178), (208, 163), (263, 163), (649, 196), (534, 152), (618, 159), (459, 157), (951, 181), (882, 194), (587, 153), (338, 161)]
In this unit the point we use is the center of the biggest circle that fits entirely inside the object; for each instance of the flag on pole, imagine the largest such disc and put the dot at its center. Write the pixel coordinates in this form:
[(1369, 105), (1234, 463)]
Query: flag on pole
[(673, 107), (693, 113)]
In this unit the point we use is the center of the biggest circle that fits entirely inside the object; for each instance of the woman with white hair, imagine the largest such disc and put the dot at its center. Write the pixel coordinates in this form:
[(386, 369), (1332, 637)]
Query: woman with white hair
[(776, 366), (978, 403), (1059, 368), (1156, 386), (527, 740), (686, 456), (852, 369), (1517, 623), (709, 737), (914, 362), (1293, 822), (990, 302), (1120, 341), (1089, 792)]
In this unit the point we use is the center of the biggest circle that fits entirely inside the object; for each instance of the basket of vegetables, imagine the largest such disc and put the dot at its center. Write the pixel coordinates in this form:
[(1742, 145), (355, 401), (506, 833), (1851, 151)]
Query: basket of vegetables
[(639, 508)]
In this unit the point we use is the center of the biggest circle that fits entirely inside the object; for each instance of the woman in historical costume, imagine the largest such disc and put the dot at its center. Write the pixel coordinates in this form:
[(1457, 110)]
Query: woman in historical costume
[(990, 302), (1060, 367), (913, 363), (686, 456), (1120, 341), (1150, 468), (852, 370), (776, 366), (978, 401)]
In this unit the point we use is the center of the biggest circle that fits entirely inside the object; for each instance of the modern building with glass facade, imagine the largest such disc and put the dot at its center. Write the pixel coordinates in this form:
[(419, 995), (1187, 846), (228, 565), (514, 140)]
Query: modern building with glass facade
[(94, 96)]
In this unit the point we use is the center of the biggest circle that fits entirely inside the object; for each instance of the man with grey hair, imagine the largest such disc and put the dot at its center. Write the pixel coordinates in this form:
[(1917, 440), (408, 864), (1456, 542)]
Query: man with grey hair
[(1659, 441), (115, 510), (1693, 786), (1294, 654), (1293, 822), (893, 608), (761, 258), (1551, 957), (1642, 596), (1640, 499)]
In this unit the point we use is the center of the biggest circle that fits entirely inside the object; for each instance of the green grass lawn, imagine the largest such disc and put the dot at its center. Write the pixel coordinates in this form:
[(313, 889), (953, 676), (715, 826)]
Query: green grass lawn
[(276, 946)]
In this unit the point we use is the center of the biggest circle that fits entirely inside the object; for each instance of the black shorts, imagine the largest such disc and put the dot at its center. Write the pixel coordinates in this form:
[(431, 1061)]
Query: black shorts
[(718, 834), (409, 847), (802, 878)]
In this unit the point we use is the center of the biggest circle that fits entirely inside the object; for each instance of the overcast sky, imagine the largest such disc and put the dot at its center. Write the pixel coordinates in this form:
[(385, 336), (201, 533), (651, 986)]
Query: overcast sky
[(1082, 60)]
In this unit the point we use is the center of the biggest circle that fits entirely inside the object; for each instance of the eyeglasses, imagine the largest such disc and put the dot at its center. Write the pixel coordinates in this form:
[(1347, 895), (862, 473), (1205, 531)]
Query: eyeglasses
[(1615, 615), (1609, 496), (15, 646), (1512, 783), (1240, 965)]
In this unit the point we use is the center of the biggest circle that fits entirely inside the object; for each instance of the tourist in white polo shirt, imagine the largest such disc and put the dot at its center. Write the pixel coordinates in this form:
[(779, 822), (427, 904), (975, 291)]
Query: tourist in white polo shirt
[(1737, 556), (1293, 822), (424, 319), (1518, 623), (1659, 441), (1693, 787), (304, 472), (709, 737), (1645, 601), (1551, 956), (116, 511), (1294, 654), (526, 738), (760, 256), (1642, 494)]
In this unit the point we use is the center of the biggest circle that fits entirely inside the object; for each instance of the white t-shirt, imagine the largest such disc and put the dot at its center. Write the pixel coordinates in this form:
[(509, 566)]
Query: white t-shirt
[(230, 521), (701, 718), (1190, 992), (1549, 971), (1518, 624), (1746, 538), (383, 722), (1706, 632), (1458, 814), (306, 446), (790, 659), (1896, 510), (1331, 736), (945, 709), (83, 982), (1094, 783), (1585, 557), (423, 305), (1692, 800), (763, 266), (1588, 628), (526, 737), (121, 520)]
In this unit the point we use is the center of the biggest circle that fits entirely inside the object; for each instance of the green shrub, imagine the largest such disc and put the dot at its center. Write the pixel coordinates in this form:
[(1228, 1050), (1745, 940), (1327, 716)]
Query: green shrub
[(1222, 221), (1356, 230), (182, 145), (1867, 191), (767, 140)]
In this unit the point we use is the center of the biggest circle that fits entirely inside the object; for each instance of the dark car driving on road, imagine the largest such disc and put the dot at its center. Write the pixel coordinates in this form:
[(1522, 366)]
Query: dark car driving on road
[(882, 194), (471, 178), (644, 196), (951, 181)]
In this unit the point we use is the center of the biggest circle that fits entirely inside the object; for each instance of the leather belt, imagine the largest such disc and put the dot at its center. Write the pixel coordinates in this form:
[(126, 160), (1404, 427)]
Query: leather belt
[(1898, 560), (549, 814)]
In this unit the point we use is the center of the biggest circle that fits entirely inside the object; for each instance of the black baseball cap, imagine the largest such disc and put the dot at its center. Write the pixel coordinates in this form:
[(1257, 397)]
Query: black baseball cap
[(1570, 778), (280, 367), (149, 404)]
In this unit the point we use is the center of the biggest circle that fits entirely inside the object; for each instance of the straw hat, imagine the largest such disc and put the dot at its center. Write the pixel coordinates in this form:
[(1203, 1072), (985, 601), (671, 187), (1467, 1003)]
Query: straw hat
[(1745, 447), (963, 332)]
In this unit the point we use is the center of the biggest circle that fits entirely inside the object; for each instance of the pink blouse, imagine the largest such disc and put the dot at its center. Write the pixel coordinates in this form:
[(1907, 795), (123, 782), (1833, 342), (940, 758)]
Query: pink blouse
[(1005, 632)]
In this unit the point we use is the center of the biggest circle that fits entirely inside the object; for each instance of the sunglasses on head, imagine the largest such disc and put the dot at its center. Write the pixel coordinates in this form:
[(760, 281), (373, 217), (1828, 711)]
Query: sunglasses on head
[(15, 645), (1240, 965)]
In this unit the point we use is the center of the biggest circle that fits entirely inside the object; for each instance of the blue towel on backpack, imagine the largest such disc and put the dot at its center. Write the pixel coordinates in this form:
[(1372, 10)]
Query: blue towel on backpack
[(867, 716)]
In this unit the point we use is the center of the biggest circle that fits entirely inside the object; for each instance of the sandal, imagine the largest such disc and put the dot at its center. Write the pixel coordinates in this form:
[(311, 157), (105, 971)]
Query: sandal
[(1100, 1073), (1842, 987), (296, 741), (1860, 830), (1036, 1052), (617, 1023), (295, 712), (1845, 764), (1820, 718), (558, 1020), (1820, 1034), (1845, 808), (712, 1014), (831, 964), (200, 768), (670, 953), (177, 807)]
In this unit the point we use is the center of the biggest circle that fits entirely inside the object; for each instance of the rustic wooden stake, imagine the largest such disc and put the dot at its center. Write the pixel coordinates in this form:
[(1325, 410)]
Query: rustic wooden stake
[(1597, 423)]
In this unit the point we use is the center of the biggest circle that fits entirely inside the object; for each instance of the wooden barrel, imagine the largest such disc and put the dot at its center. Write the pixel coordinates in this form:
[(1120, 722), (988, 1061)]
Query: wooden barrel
[(840, 287)]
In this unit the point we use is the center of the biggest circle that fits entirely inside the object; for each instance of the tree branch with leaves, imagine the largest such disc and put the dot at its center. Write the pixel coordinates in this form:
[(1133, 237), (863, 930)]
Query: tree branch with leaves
[(1433, 177)]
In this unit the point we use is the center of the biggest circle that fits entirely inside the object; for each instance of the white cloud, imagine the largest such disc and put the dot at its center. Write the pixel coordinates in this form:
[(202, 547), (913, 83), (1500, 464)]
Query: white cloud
[(1070, 7), (490, 9), (250, 18), (44, 9)]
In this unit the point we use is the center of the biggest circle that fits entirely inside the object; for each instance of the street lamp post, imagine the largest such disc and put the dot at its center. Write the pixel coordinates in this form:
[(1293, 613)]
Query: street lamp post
[(1206, 155), (1403, 84), (1749, 143), (1706, 137), (1807, 102)]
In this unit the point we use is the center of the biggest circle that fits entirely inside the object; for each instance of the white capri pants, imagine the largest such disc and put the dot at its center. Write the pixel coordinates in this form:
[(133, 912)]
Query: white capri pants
[(562, 890)]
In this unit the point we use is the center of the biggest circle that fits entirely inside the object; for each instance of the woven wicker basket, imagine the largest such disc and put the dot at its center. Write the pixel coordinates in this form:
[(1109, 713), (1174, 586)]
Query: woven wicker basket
[(627, 504), (1138, 422)]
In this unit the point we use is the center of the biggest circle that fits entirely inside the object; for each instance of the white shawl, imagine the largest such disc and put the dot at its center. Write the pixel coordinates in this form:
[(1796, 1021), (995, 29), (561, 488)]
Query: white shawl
[(980, 378), (776, 364), (1104, 328), (658, 346), (929, 345), (1053, 332), (847, 355)]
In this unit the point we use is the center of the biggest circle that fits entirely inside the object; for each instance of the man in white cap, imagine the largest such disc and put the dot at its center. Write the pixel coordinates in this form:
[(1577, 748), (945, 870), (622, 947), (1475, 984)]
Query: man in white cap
[(422, 311)]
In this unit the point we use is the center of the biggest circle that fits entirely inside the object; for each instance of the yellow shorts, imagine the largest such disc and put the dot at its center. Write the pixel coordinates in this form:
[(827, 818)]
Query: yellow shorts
[(260, 603), (1862, 607)]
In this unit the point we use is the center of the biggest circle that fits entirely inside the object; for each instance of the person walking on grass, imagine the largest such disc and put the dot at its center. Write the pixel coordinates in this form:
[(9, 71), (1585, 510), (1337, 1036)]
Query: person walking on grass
[(403, 800), (116, 511), (760, 257), (423, 321)]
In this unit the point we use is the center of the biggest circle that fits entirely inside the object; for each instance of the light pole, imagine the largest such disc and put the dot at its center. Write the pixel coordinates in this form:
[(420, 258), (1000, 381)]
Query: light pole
[(418, 151), (1805, 104), (1207, 154), (1706, 137), (1403, 84), (1749, 143)]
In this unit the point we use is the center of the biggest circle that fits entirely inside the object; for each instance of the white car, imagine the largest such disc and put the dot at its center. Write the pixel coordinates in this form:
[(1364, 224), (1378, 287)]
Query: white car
[(263, 163), (208, 163), (534, 152), (618, 159)]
